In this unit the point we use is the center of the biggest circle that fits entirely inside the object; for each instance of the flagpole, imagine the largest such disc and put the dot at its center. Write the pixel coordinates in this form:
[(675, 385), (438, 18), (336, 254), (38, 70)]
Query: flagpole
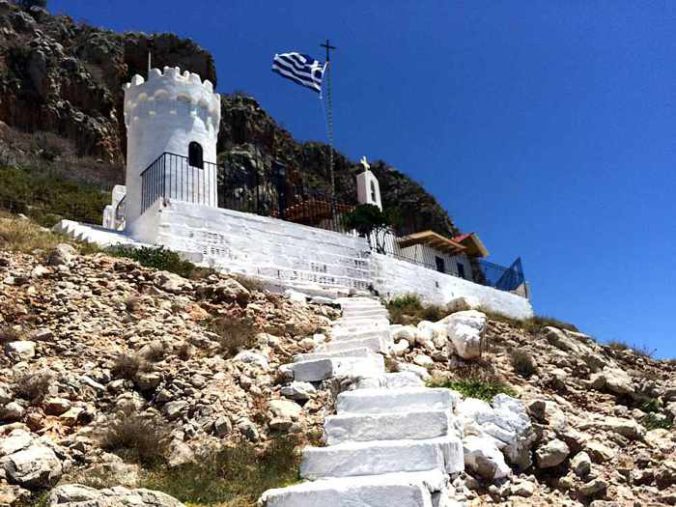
[(329, 125)]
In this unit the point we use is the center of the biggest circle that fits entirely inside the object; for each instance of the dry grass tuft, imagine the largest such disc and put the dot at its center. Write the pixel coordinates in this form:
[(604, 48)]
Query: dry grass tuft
[(523, 363), (22, 235), (9, 333), (409, 309), (33, 386), (128, 364), (234, 477), (233, 334), (137, 438)]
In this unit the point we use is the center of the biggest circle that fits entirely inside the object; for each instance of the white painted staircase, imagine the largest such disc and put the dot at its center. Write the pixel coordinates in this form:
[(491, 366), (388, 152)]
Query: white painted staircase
[(392, 440)]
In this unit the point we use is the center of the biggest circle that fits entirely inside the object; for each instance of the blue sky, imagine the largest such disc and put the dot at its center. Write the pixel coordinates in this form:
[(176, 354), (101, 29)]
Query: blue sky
[(547, 127)]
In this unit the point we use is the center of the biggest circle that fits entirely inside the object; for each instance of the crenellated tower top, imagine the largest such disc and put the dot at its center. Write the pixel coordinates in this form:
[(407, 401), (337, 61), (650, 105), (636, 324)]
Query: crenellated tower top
[(171, 91)]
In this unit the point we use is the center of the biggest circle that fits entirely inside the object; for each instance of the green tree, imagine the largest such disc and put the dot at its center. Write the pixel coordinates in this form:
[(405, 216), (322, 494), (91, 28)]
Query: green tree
[(372, 223)]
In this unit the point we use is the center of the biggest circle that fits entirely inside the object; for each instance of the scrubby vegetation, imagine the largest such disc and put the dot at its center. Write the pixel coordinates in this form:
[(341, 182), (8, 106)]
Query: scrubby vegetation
[(137, 438), (476, 381), (127, 365), (233, 335), (523, 363), (409, 309), (157, 258), (47, 197), (233, 477), (622, 346), (32, 386)]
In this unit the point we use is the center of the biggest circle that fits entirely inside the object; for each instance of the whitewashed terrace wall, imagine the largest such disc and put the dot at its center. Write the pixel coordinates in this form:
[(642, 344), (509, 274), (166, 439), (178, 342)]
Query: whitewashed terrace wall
[(256, 245), (393, 277), (275, 249)]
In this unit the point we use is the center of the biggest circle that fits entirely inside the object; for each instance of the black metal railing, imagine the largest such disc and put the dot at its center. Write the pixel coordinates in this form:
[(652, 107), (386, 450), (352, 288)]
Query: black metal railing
[(263, 191), (172, 176)]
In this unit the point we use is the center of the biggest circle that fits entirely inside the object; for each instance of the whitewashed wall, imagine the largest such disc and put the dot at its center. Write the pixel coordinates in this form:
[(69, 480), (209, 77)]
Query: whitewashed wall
[(393, 277), (257, 245), (267, 247)]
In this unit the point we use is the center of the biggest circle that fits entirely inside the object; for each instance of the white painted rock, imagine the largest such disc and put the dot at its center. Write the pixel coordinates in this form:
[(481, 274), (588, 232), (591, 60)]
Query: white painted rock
[(465, 330), (400, 347), (20, 350), (506, 421), (466, 340), (296, 297), (484, 458), (405, 332)]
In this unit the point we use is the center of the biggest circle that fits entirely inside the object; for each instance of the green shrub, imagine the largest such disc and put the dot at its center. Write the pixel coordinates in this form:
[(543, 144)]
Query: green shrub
[(140, 439), (408, 309), (654, 421), (47, 197), (234, 476), (483, 389), (157, 258)]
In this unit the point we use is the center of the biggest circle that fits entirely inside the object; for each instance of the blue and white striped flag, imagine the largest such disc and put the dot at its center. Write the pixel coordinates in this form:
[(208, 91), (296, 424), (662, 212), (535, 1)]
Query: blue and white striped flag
[(301, 69)]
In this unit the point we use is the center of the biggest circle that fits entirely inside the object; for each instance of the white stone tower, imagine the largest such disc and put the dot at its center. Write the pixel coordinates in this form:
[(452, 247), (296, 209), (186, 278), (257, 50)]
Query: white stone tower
[(176, 114)]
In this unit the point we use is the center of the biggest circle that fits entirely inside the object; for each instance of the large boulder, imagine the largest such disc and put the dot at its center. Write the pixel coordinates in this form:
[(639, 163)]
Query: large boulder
[(614, 380), (34, 467), (465, 330), (75, 495)]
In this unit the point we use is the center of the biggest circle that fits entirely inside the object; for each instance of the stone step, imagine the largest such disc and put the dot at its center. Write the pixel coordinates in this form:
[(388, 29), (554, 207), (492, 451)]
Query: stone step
[(365, 312), (357, 322), (397, 380), (381, 457), (339, 334), (350, 352), (387, 401), (373, 343), (348, 333), (401, 425), (412, 489), (317, 370)]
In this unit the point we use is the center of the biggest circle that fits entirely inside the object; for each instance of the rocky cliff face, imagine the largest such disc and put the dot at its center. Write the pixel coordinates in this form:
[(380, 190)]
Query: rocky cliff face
[(62, 80)]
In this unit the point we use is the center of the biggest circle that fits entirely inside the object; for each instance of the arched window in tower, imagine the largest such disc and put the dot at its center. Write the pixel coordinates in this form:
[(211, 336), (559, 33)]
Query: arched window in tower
[(195, 155), (373, 192)]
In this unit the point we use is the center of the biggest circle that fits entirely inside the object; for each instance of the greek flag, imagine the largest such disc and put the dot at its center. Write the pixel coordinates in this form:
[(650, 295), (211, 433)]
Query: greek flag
[(301, 69)]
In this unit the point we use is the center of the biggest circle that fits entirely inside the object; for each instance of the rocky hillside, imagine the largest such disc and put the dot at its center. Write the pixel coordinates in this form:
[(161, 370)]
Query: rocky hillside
[(61, 107), (169, 389)]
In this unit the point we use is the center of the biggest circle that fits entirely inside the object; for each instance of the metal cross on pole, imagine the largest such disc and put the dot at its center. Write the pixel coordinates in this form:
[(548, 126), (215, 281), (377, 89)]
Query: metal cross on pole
[(329, 123)]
